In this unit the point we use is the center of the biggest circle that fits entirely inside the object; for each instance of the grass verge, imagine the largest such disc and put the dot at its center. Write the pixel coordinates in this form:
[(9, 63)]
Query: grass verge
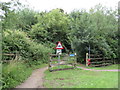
[(17, 72)]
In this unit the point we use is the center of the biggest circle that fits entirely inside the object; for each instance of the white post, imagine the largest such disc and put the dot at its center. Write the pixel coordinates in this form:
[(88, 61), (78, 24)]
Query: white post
[(87, 59), (58, 60)]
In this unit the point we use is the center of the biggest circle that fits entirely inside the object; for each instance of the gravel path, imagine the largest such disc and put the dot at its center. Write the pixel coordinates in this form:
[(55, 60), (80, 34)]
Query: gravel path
[(35, 80), (113, 70)]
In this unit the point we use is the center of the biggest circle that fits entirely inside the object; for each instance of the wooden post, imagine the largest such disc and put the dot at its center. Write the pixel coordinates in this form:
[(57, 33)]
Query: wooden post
[(17, 56), (59, 60), (113, 61), (75, 61), (49, 65), (87, 59)]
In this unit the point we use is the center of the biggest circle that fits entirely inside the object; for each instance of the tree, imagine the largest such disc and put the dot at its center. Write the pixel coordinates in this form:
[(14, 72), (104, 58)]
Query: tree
[(26, 18), (8, 9), (97, 28), (51, 27), (20, 18)]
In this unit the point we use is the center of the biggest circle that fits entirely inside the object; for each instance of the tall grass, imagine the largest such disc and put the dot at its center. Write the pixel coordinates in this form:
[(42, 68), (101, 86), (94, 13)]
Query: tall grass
[(17, 72), (14, 73)]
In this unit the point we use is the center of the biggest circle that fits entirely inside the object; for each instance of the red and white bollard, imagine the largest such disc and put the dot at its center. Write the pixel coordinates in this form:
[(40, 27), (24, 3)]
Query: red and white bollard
[(88, 62)]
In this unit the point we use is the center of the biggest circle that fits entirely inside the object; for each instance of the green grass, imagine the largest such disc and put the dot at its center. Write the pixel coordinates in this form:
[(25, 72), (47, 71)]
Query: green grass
[(54, 62), (61, 67), (68, 59), (39, 66), (77, 78)]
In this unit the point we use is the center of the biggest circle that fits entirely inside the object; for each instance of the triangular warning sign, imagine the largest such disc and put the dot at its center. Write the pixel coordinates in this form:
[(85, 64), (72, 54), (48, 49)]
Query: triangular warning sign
[(59, 46)]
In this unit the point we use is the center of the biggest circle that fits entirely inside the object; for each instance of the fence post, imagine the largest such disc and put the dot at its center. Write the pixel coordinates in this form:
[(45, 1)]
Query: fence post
[(59, 60), (75, 59), (49, 65), (113, 61), (86, 59), (17, 56)]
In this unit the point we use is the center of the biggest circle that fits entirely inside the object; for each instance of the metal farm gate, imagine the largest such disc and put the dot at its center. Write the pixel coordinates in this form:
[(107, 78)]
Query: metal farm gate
[(61, 62)]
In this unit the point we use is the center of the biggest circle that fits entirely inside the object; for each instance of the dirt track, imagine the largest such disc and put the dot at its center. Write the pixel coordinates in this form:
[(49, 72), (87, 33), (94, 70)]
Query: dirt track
[(112, 70), (35, 80)]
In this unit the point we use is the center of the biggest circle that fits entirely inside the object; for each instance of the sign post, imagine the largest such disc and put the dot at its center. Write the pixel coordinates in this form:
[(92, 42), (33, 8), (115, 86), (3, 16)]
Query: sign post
[(59, 48), (86, 59)]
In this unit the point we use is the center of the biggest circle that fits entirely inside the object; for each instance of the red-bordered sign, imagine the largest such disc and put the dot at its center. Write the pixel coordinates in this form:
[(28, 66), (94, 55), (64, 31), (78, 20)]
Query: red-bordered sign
[(59, 46)]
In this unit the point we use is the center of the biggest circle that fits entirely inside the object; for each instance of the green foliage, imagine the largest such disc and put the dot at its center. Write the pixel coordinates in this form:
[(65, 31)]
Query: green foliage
[(26, 19), (77, 30), (17, 41), (97, 28), (9, 18), (51, 27), (22, 18)]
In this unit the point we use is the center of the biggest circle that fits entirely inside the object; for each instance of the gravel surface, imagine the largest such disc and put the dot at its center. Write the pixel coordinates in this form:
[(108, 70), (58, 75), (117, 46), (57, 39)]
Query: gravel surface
[(113, 70)]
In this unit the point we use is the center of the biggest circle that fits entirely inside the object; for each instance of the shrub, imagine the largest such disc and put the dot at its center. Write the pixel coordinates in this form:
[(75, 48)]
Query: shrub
[(17, 41)]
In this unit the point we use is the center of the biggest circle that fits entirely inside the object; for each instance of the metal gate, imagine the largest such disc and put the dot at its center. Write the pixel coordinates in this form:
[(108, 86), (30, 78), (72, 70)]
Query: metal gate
[(62, 62)]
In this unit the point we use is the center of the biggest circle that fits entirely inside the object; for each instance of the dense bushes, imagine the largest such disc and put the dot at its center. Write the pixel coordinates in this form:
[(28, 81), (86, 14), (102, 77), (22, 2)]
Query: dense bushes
[(52, 27), (31, 53), (76, 30), (97, 29), (17, 41)]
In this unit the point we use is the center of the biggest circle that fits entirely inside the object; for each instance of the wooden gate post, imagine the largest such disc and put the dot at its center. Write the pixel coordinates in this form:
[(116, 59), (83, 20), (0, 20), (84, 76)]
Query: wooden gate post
[(17, 56), (86, 59), (49, 65), (59, 60), (75, 61)]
